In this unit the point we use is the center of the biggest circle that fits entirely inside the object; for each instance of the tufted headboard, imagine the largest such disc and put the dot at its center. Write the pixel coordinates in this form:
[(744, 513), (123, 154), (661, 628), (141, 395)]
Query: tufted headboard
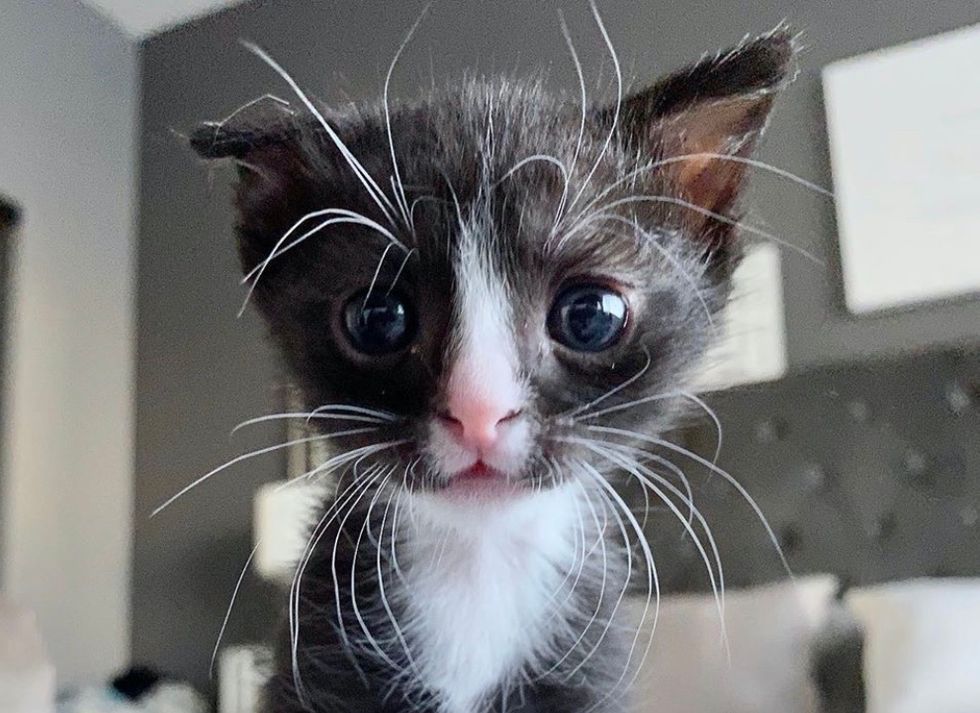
[(870, 471)]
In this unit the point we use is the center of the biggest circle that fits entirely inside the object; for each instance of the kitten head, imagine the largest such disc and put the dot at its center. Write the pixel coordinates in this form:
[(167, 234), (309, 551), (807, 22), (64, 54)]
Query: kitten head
[(495, 271)]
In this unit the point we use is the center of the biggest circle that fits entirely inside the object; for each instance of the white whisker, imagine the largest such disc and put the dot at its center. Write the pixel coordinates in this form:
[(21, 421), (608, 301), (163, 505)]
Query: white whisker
[(775, 170), (349, 499), (653, 585), (601, 540), (374, 279), (377, 195), (713, 468), (686, 497), (356, 455), (596, 477), (352, 408), (220, 124), (685, 157), (308, 415), (401, 268), (231, 605), (399, 634), (644, 476), (347, 217), (619, 102), (681, 203), (398, 188), (253, 454), (334, 575), (353, 575), (553, 161), (714, 418), (613, 391), (581, 128), (630, 404)]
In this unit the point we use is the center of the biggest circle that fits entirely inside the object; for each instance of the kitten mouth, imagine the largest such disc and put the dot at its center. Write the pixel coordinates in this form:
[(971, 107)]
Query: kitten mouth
[(482, 482), (479, 471)]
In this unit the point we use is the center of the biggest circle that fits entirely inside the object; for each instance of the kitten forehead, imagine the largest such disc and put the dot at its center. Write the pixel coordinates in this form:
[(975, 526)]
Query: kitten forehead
[(484, 313)]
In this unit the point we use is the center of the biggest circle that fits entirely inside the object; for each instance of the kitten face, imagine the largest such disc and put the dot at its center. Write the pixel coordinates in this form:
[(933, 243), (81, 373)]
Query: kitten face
[(524, 269)]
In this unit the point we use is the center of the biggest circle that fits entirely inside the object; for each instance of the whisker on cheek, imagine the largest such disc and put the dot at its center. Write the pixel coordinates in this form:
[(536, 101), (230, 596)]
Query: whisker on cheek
[(648, 479), (653, 588), (308, 416), (345, 505), (583, 411), (254, 454), (355, 607), (714, 469)]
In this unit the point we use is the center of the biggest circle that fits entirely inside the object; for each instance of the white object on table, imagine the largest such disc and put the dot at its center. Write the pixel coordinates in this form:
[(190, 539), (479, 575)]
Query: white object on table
[(27, 677), (243, 671), (283, 512), (904, 127)]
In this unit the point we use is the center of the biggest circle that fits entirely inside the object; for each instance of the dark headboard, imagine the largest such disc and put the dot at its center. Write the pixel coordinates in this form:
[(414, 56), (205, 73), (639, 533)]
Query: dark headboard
[(870, 471)]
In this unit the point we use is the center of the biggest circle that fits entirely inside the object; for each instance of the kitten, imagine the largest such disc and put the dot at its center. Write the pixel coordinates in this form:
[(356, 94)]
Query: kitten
[(491, 299)]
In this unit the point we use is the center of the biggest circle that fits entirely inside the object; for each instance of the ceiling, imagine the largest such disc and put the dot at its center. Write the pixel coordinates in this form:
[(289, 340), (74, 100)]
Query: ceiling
[(140, 18)]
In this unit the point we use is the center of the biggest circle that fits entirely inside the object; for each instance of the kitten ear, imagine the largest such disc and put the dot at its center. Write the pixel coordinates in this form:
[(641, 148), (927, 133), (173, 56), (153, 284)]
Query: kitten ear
[(274, 178), (267, 156), (695, 119)]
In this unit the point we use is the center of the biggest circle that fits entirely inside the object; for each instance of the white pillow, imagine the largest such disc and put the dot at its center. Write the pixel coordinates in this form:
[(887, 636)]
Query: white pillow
[(770, 632), (922, 645)]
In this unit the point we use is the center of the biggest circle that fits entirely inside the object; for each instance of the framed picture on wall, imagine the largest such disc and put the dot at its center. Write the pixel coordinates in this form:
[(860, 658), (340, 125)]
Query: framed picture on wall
[(905, 170)]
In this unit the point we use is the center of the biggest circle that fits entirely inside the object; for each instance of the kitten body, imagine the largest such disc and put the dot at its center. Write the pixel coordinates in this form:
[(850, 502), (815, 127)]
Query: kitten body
[(491, 300)]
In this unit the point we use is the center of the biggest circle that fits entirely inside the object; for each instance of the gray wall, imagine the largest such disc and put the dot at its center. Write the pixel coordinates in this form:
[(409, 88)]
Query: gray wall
[(68, 100), (9, 217), (200, 370)]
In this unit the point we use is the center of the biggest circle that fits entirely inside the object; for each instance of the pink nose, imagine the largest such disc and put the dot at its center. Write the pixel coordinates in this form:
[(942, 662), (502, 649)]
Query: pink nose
[(478, 422)]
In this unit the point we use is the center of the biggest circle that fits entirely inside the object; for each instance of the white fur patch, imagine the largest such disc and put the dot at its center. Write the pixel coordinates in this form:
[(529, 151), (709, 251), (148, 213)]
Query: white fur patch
[(486, 364), (487, 357), (482, 586)]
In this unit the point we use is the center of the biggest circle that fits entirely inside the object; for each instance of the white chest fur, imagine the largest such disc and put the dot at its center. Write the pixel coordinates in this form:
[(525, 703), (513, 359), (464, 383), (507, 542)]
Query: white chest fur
[(483, 583)]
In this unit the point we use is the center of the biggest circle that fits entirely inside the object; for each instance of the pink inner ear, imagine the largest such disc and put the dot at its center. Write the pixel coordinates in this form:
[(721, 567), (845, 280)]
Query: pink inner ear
[(697, 142)]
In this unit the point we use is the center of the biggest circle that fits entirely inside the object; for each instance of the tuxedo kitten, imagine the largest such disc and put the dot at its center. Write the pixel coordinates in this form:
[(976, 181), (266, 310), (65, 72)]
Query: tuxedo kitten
[(492, 299)]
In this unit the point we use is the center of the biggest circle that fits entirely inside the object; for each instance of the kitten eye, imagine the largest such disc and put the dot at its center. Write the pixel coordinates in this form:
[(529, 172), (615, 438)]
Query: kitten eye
[(588, 318), (380, 323)]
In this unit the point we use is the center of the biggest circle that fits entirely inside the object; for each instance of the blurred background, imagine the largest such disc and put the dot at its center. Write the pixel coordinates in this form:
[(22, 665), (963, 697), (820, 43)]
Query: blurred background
[(848, 389)]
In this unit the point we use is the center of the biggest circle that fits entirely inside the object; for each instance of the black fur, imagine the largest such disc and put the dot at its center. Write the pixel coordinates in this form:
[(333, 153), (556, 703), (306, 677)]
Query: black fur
[(456, 149)]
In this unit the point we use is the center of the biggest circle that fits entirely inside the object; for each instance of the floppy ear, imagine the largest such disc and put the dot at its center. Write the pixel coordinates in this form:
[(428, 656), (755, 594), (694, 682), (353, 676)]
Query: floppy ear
[(270, 158), (275, 178), (699, 122)]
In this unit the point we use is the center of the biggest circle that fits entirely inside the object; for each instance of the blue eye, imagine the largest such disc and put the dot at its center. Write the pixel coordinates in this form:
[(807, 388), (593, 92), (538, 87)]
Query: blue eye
[(380, 323), (588, 318)]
